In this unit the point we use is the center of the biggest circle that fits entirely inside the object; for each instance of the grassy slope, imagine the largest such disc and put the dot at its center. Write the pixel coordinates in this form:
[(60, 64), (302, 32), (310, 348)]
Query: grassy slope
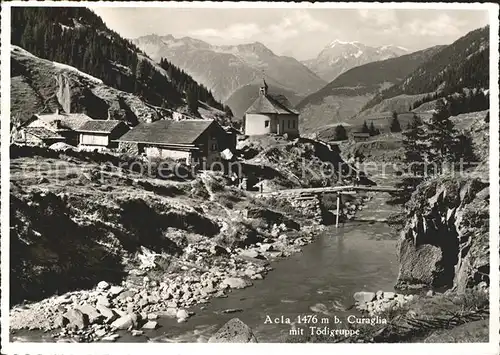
[(461, 64)]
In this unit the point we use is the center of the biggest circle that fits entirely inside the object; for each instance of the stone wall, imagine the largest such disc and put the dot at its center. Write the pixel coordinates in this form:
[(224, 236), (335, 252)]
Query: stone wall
[(310, 206)]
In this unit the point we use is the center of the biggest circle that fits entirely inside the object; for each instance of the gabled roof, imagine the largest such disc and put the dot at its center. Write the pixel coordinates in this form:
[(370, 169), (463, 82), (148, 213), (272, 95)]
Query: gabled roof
[(71, 121), (43, 133), (101, 126), (230, 129), (167, 132), (270, 104)]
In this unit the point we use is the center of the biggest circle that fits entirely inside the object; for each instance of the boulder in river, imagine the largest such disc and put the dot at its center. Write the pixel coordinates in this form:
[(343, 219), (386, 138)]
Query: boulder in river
[(182, 314), (251, 253), (106, 312), (76, 319), (236, 282), (234, 331), (103, 300), (319, 308), (103, 285), (150, 325), (232, 310), (115, 290), (363, 296), (125, 322), (92, 313)]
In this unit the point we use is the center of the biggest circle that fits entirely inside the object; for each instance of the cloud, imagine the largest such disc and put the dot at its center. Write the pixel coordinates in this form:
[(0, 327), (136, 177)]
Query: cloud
[(239, 31), (442, 26), (380, 18), (298, 22)]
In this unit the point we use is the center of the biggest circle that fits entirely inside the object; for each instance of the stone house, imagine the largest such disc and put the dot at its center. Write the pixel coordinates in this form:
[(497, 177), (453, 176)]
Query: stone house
[(192, 140), (62, 124), (101, 134), (39, 136), (271, 114)]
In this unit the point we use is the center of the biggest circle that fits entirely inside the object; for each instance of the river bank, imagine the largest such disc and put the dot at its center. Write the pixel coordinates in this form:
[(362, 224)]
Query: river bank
[(337, 264)]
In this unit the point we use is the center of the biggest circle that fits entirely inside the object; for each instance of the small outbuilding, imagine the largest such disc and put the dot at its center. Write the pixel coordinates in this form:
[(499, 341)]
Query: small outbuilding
[(101, 134), (360, 136)]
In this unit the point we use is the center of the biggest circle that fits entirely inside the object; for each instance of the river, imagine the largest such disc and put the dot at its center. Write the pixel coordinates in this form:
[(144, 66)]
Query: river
[(355, 257)]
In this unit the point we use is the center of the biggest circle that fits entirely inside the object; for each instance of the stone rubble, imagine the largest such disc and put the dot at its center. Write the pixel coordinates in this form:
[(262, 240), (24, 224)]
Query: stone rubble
[(137, 303), (374, 303)]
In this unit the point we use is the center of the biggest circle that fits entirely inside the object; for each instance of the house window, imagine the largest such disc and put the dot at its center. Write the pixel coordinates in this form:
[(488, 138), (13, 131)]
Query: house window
[(266, 123), (288, 123), (214, 146), (293, 124)]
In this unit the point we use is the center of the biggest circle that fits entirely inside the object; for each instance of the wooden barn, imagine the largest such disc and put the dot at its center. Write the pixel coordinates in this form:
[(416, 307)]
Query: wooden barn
[(193, 141), (100, 134), (360, 136)]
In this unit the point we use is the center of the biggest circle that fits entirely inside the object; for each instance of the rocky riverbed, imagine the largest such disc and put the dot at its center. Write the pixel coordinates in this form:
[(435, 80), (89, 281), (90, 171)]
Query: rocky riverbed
[(205, 270)]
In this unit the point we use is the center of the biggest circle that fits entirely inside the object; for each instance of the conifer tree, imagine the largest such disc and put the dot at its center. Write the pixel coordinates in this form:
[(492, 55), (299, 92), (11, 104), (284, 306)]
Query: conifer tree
[(372, 129), (340, 133), (441, 135), (395, 126), (192, 100), (364, 128), (415, 156)]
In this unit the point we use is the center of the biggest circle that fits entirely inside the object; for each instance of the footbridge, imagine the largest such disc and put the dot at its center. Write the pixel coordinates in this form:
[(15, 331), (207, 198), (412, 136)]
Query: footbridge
[(345, 189), (305, 193)]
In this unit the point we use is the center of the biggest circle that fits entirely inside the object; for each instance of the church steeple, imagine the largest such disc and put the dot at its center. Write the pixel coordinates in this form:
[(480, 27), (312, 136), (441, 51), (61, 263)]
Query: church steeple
[(263, 88)]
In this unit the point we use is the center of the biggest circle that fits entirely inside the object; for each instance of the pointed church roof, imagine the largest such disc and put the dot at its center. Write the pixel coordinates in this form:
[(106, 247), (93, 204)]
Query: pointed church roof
[(270, 104), (264, 84)]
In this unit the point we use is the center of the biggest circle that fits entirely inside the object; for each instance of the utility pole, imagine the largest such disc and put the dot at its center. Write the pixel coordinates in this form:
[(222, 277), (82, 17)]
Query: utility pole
[(339, 200)]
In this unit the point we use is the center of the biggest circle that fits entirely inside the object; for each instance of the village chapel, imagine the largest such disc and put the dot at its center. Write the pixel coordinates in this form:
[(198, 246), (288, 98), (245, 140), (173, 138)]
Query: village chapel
[(271, 114)]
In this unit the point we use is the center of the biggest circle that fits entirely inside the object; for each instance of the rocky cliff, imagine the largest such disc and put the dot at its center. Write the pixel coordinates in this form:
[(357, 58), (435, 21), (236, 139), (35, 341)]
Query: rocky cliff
[(444, 243), (39, 85)]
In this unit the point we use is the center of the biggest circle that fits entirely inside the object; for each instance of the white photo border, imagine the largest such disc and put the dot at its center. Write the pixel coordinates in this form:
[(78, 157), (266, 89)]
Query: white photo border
[(177, 348)]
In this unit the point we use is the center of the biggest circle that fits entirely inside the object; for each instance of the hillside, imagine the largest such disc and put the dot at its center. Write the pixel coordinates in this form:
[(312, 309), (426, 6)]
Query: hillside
[(40, 85), (224, 69), (241, 99), (341, 99), (462, 64), (77, 37), (339, 56)]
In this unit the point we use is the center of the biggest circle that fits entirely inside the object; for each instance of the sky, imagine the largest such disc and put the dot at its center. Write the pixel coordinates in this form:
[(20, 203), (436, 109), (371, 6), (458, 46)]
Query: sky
[(300, 33)]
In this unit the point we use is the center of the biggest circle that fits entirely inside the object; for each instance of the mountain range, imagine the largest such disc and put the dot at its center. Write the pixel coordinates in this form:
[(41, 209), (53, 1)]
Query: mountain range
[(345, 96), (462, 64), (340, 56), (371, 92), (224, 69)]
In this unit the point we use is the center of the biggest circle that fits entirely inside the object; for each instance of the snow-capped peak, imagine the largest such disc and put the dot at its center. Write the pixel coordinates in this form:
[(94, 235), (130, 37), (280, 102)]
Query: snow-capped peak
[(389, 46), (338, 41)]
